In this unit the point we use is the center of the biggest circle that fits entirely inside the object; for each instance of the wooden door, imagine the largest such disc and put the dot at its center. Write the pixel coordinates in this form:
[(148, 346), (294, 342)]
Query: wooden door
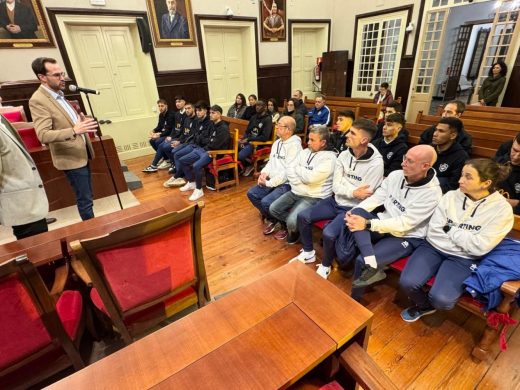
[(457, 61), (334, 73), (105, 58)]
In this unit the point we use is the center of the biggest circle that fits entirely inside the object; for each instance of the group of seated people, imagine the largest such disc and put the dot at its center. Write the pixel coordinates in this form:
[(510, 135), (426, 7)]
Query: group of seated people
[(382, 201)]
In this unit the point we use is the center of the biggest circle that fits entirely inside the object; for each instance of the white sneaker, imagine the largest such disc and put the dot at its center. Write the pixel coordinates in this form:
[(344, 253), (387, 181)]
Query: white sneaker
[(188, 186), (197, 194), (305, 257), (173, 182), (164, 165), (323, 271)]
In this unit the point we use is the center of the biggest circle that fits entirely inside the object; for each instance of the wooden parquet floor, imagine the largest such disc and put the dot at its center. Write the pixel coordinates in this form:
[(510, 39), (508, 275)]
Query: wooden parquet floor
[(433, 353)]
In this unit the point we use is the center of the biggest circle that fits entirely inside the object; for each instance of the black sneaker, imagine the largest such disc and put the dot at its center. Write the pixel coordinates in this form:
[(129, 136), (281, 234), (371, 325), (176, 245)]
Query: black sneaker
[(369, 276), (150, 168), (293, 238), (248, 170), (413, 313)]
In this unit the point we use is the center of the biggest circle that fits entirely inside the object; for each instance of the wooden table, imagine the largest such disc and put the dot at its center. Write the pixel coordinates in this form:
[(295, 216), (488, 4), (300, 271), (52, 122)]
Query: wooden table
[(266, 335), (46, 247)]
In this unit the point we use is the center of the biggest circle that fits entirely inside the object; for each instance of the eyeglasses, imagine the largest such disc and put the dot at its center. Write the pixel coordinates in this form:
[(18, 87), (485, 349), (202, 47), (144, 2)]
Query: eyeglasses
[(57, 75), (407, 160)]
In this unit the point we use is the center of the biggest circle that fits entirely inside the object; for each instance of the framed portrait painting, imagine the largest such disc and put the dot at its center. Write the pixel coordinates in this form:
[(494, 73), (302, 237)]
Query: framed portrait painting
[(273, 20), (23, 25), (172, 22)]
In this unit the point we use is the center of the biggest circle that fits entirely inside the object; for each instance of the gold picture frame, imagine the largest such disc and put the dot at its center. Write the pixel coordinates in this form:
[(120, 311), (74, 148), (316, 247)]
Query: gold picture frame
[(23, 26), (172, 22), (273, 20)]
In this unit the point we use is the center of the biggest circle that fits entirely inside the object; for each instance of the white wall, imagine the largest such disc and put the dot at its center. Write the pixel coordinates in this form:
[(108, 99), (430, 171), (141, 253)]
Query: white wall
[(341, 12)]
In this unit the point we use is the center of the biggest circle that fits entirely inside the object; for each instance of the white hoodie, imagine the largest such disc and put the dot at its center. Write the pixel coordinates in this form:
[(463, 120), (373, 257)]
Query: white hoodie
[(407, 207), (312, 174), (477, 226), (351, 173), (283, 154)]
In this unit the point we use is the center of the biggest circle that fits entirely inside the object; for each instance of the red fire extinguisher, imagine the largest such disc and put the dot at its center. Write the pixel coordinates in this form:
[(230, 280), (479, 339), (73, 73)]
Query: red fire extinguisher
[(317, 69)]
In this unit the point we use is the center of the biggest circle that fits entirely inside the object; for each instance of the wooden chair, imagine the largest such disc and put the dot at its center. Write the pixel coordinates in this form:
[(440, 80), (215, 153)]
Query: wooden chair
[(224, 160), (14, 114), (28, 134), (261, 152), (356, 361), (145, 273), (39, 334)]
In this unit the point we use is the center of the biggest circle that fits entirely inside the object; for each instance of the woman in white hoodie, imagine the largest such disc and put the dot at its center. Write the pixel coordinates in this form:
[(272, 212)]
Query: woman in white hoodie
[(466, 225)]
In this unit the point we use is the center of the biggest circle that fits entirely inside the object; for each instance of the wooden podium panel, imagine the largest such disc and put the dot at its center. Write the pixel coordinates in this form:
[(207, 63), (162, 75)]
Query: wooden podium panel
[(60, 193)]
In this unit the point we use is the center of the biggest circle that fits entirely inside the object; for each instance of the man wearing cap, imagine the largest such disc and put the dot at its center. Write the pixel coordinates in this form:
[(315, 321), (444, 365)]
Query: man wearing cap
[(259, 129), (216, 137)]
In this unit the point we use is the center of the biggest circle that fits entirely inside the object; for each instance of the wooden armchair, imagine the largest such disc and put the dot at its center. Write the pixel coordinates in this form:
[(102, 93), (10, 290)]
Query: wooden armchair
[(39, 334), (145, 273), (261, 151), (27, 134), (14, 114), (225, 160)]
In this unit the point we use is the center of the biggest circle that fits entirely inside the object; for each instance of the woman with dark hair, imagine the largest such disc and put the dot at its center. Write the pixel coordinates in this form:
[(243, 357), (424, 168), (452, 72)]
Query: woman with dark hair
[(466, 225), (493, 84), (272, 109), (237, 110), (251, 109), (384, 96), (290, 110)]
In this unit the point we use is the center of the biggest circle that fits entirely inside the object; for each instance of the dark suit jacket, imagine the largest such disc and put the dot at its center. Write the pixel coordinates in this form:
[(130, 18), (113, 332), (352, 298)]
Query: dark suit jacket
[(23, 17), (176, 30)]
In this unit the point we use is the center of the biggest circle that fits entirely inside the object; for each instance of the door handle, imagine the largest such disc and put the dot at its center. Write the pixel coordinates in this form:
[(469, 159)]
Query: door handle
[(105, 122)]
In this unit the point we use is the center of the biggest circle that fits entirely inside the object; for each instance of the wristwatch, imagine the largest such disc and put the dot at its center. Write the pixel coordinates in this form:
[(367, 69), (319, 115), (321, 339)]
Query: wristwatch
[(368, 224)]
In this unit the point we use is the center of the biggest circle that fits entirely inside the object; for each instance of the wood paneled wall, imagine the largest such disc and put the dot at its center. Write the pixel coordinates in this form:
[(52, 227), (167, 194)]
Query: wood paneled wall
[(274, 81), (512, 94), (404, 79), (192, 84)]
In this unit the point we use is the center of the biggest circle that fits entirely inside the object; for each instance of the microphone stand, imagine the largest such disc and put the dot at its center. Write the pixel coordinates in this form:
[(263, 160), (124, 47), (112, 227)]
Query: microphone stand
[(100, 135)]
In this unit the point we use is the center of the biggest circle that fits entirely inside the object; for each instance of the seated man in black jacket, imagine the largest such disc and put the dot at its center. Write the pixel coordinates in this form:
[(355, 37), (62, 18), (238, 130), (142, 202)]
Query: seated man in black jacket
[(214, 137), (338, 139), (299, 105), (259, 129), (391, 108), (453, 109), (163, 129), (511, 186), (393, 146), (451, 157)]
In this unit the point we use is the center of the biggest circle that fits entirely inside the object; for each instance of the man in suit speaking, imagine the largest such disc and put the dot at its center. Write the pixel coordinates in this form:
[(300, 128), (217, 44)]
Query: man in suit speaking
[(173, 24), (65, 132)]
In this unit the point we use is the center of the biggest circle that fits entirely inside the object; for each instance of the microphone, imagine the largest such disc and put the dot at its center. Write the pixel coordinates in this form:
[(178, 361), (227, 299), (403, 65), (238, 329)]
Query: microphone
[(75, 88)]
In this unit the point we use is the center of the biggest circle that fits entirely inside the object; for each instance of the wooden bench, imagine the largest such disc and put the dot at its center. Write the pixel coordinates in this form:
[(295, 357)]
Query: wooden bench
[(361, 110), (484, 144), (470, 109), (239, 124), (509, 129), (510, 290)]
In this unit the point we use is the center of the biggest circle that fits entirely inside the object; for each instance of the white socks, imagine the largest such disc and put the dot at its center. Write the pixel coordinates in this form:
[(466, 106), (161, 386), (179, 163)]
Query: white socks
[(371, 261)]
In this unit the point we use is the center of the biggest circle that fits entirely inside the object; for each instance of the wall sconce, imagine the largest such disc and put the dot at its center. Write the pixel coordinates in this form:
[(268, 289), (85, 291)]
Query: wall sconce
[(410, 27)]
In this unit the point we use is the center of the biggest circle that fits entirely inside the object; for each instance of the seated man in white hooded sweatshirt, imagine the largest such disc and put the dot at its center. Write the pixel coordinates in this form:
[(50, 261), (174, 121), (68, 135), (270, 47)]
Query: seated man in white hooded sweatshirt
[(359, 171), (466, 225), (409, 197), (272, 182), (310, 179)]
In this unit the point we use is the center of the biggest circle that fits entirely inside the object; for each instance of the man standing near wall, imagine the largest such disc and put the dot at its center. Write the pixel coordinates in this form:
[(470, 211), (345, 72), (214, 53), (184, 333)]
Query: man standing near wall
[(65, 132)]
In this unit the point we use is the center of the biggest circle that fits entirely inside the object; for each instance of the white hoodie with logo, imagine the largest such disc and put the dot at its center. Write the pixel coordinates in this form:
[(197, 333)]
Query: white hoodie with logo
[(312, 174), (351, 173), (476, 226), (408, 207), (283, 154)]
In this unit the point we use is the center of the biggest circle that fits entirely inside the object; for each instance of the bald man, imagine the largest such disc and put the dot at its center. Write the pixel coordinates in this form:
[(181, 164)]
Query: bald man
[(409, 197)]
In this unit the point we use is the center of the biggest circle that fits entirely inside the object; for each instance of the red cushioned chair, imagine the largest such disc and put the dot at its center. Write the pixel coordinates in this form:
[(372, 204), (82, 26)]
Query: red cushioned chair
[(224, 160), (39, 335), (147, 272), (28, 134), (14, 114), (261, 151)]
